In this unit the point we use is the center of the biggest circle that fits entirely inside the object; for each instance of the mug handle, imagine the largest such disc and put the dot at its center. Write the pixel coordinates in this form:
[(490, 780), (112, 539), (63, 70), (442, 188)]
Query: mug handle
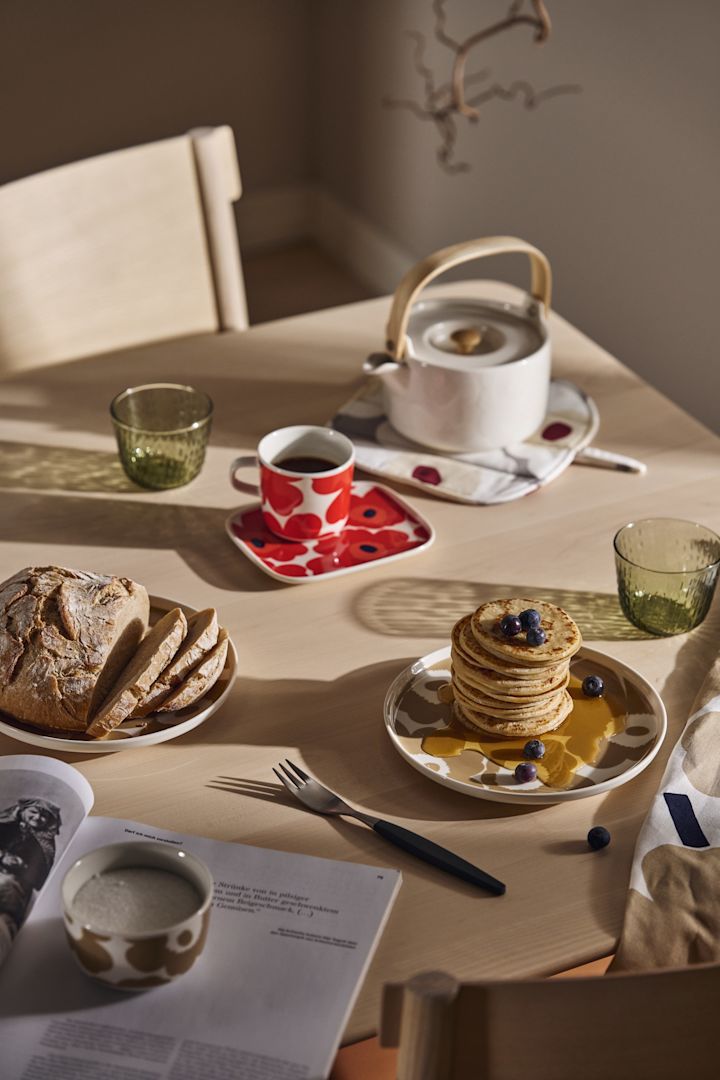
[(244, 463), (422, 274)]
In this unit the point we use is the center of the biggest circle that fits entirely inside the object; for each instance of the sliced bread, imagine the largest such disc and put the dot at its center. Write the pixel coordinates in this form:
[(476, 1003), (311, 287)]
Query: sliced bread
[(65, 635), (202, 635), (200, 679), (156, 650)]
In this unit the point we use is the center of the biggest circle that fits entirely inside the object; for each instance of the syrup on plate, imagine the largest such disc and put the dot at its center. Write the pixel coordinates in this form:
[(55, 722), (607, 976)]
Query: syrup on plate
[(578, 741)]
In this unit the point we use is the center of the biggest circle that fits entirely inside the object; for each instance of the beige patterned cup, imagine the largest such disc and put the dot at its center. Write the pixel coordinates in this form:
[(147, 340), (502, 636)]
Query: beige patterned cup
[(137, 959)]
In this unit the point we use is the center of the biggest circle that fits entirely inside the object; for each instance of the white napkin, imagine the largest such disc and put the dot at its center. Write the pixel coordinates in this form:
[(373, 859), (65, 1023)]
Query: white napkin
[(494, 476)]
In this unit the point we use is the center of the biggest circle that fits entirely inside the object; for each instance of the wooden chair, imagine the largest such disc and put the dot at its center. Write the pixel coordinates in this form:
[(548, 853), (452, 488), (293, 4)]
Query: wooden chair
[(121, 249), (658, 1025)]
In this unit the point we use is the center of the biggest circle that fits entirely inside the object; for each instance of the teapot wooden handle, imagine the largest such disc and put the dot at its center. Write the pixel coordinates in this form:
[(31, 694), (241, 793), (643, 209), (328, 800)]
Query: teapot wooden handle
[(428, 268)]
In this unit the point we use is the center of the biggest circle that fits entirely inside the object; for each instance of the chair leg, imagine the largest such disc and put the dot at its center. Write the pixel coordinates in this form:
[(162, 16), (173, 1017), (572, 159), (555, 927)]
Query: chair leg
[(426, 1027)]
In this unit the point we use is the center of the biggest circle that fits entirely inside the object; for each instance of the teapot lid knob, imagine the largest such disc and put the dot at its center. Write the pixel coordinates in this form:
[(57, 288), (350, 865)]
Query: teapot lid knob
[(466, 339)]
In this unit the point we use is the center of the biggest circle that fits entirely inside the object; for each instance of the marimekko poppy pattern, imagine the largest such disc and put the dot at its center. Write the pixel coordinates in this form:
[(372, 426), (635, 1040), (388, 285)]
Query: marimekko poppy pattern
[(377, 509), (280, 492), (381, 526), (284, 495)]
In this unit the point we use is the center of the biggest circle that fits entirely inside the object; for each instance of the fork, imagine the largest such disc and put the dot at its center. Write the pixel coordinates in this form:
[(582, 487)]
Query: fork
[(316, 797)]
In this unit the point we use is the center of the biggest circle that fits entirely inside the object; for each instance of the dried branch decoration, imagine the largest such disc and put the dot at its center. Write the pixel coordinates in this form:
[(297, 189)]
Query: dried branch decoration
[(444, 104)]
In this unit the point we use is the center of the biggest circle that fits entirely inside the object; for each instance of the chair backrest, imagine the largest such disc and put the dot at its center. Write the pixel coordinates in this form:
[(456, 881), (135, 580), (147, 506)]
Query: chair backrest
[(650, 1026), (121, 249)]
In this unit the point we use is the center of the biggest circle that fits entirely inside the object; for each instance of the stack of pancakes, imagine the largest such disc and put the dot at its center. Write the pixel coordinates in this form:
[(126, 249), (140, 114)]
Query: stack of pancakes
[(505, 686)]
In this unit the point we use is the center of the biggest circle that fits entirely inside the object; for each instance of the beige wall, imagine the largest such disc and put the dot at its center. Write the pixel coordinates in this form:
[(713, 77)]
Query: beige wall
[(80, 77), (619, 186)]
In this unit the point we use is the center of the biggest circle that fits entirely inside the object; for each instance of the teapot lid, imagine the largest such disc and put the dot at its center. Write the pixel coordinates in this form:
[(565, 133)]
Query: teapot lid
[(467, 334)]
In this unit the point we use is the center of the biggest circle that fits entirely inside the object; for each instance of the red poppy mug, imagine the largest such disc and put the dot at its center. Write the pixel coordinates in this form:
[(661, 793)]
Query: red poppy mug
[(305, 481)]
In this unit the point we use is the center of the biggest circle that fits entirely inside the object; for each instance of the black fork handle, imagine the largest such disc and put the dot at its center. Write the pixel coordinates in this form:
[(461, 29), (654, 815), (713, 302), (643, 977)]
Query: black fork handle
[(438, 856)]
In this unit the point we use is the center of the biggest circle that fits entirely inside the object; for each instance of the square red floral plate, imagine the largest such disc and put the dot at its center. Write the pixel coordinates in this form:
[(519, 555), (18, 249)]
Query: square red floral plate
[(382, 527)]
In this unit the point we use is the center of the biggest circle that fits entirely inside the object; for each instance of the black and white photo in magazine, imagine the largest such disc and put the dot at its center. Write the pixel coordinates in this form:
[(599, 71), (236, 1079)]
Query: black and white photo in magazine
[(28, 829), (39, 813)]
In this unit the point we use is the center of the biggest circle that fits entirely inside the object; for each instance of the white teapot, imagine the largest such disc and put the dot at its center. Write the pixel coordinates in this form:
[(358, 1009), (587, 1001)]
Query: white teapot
[(466, 375)]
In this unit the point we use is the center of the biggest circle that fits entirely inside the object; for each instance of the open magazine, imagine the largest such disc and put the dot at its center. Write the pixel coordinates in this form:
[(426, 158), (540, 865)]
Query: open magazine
[(290, 940)]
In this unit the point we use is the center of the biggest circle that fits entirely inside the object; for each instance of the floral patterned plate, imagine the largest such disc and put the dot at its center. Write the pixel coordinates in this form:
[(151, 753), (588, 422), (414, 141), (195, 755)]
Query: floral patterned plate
[(418, 718), (382, 527)]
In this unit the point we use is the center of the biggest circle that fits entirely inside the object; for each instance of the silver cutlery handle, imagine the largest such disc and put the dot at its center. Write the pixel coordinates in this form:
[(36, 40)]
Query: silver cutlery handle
[(437, 856)]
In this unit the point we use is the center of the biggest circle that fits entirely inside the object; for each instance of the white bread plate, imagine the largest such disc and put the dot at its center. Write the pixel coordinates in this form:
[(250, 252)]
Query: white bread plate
[(134, 734)]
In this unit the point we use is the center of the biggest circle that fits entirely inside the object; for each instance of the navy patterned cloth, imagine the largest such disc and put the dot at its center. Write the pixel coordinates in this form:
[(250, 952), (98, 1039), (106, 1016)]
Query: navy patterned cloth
[(672, 917)]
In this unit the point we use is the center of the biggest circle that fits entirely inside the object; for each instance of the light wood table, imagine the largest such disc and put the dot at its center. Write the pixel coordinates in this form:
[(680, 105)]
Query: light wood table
[(315, 660)]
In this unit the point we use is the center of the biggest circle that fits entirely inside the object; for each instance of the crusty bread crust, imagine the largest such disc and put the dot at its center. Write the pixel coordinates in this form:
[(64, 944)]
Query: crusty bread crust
[(64, 636), (201, 679), (154, 653)]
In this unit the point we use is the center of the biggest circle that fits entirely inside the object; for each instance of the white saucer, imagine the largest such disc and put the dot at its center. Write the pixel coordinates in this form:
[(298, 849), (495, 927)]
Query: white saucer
[(131, 735)]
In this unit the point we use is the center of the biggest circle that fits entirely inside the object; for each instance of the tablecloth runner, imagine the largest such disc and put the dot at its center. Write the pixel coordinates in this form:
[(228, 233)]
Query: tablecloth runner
[(672, 917)]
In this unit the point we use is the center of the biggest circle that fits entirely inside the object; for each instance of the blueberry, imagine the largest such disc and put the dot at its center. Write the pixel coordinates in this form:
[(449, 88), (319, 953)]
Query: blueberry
[(525, 772), (534, 748), (598, 837), (593, 686), (529, 618), (535, 635), (510, 626)]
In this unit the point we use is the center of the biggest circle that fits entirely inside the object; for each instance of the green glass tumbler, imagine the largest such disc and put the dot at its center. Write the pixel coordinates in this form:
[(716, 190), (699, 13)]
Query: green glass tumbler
[(666, 572), (162, 431)]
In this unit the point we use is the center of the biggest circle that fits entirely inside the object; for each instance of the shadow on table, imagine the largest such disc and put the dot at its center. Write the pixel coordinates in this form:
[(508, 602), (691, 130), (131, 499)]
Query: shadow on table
[(357, 836), (32, 467), (341, 739), (427, 607), (251, 386), (67, 990), (196, 533)]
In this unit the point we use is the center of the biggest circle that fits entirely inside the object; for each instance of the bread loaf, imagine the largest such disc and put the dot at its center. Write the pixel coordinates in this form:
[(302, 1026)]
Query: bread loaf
[(201, 679), (202, 634), (65, 635), (156, 651)]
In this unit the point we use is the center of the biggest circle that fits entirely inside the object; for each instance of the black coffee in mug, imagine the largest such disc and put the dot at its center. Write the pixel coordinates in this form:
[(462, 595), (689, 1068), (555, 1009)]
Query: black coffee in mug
[(313, 459), (305, 464)]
